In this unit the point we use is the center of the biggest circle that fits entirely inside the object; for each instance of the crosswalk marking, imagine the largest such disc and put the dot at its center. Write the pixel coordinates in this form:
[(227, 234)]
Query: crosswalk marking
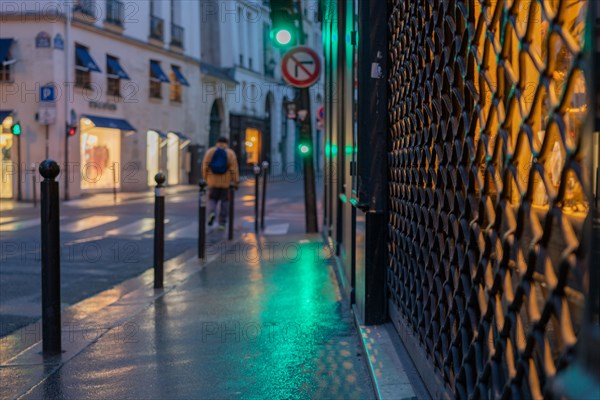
[(18, 225), (15, 226), (88, 223), (4, 220), (135, 228), (189, 231), (277, 229)]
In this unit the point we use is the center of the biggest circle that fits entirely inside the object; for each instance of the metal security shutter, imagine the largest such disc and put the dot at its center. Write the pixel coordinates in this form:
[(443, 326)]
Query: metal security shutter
[(488, 196)]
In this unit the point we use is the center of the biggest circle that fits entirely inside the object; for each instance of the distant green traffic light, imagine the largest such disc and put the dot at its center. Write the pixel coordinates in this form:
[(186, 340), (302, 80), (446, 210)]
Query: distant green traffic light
[(304, 149), (16, 128), (283, 37)]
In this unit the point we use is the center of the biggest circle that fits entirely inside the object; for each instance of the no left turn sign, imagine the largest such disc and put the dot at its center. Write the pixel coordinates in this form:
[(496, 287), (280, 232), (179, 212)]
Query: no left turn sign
[(301, 67)]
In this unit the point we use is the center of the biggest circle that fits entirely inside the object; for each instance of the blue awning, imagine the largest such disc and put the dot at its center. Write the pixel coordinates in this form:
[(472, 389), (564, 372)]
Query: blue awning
[(159, 133), (113, 123), (180, 135), (158, 72), (4, 114), (86, 60), (179, 76), (113, 64), (4, 47)]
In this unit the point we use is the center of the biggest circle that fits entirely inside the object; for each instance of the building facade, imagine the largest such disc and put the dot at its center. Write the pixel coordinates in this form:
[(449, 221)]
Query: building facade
[(462, 201), (236, 39), (126, 74)]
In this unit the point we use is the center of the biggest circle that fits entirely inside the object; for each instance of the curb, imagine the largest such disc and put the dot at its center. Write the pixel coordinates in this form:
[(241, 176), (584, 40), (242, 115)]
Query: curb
[(390, 372)]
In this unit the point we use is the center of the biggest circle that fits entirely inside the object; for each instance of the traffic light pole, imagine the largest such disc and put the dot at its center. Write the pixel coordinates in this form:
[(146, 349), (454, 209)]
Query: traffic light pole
[(19, 189), (66, 167), (310, 195)]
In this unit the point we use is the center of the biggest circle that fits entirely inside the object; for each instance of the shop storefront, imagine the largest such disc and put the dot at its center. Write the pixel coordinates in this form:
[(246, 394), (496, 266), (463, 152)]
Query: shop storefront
[(101, 149), (176, 144), (8, 165), (155, 141)]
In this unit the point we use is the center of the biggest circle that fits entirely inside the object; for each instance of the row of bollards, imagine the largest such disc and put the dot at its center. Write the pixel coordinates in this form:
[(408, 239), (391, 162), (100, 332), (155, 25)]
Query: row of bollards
[(50, 235), (259, 217)]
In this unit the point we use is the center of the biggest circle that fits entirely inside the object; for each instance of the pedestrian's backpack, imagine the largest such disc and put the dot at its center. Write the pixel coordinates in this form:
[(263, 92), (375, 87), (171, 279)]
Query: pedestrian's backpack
[(218, 163)]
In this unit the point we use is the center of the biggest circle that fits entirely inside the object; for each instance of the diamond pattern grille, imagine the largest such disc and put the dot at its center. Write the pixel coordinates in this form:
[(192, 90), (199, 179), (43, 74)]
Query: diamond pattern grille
[(487, 101)]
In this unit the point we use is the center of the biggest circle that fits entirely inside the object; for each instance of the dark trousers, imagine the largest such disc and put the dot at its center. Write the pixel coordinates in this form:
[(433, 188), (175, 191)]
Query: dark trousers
[(216, 196)]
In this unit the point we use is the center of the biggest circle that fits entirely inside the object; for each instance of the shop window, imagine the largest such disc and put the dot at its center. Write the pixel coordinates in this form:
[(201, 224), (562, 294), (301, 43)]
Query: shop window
[(7, 165), (6, 73), (83, 75), (252, 146), (113, 81), (155, 84), (175, 88), (100, 156)]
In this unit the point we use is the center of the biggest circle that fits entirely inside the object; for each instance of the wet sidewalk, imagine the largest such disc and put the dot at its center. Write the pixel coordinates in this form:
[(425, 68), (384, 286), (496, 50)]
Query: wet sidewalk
[(258, 321)]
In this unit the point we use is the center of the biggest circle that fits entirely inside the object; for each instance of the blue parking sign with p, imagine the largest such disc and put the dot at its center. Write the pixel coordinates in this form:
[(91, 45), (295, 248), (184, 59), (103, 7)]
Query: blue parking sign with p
[(47, 93)]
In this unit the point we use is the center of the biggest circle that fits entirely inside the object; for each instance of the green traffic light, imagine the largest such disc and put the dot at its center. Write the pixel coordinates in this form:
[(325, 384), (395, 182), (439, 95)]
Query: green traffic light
[(283, 36), (304, 149), (16, 129)]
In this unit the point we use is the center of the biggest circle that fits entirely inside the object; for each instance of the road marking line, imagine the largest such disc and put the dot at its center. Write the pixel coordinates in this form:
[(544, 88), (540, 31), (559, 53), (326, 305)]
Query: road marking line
[(277, 229), (4, 220), (89, 223), (135, 228)]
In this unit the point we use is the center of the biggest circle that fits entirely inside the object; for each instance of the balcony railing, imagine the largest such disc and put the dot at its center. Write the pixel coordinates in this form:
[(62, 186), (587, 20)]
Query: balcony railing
[(115, 12), (177, 35), (157, 28)]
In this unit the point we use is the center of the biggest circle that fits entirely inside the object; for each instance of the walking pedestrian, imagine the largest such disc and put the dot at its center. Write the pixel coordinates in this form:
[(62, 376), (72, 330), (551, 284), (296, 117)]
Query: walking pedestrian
[(219, 169)]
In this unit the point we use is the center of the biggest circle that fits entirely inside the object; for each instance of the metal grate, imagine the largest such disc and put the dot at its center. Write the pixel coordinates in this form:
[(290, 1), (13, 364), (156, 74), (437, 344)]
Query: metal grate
[(487, 101)]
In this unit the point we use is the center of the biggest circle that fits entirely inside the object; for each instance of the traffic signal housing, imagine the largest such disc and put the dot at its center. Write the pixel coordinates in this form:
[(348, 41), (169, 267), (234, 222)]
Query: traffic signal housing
[(283, 24), (16, 128), (71, 130), (304, 148)]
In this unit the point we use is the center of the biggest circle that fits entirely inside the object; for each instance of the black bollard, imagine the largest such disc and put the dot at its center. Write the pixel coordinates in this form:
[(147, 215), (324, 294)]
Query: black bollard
[(231, 199), (51, 324), (265, 168), (256, 199), (34, 190), (159, 230), (202, 220)]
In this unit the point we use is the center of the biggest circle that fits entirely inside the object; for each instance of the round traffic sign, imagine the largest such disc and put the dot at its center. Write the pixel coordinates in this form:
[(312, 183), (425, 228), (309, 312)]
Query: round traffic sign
[(301, 67), (321, 113)]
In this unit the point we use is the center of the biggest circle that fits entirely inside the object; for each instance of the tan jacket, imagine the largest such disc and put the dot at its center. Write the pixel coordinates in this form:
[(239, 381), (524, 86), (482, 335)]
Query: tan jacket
[(221, 180)]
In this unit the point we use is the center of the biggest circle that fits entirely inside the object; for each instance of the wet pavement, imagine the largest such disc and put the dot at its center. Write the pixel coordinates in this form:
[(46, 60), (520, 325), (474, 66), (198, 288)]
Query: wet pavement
[(262, 321), (105, 243)]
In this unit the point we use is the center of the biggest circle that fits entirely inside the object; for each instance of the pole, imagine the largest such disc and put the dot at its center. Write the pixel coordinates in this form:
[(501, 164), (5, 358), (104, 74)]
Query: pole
[(202, 220), (66, 165), (231, 209), (256, 199), (47, 140), (51, 325), (310, 202), (19, 188), (265, 167), (34, 190), (114, 168), (159, 230)]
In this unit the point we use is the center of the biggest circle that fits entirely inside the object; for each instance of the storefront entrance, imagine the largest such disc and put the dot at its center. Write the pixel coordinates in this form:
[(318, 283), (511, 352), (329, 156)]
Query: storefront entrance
[(8, 166), (152, 156), (100, 157), (173, 164), (252, 146)]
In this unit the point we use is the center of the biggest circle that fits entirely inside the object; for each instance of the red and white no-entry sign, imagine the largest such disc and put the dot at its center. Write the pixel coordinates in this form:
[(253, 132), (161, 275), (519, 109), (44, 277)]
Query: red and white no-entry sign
[(301, 67)]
